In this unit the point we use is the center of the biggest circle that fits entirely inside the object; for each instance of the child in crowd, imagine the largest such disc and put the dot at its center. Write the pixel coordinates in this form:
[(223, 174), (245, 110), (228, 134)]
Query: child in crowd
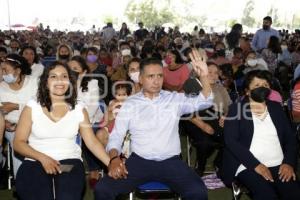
[(121, 93)]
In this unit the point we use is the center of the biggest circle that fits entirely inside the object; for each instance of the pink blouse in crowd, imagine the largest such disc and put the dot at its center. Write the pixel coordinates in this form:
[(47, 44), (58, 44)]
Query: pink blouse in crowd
[(176, 77), (275, 96)]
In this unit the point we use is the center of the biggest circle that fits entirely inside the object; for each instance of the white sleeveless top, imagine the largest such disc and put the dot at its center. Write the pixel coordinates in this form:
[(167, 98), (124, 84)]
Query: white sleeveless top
[(55, 139)]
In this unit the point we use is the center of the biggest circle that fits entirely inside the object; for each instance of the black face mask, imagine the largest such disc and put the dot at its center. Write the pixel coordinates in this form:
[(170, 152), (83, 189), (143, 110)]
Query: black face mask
[(64, 57), (266, 27), (221, 52), (179, 46), (197, 45), (260, 94), (75, 74)]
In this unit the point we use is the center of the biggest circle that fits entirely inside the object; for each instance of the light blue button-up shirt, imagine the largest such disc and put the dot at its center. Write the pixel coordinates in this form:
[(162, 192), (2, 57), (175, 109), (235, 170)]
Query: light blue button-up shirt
[(153, 123), (261, 38)]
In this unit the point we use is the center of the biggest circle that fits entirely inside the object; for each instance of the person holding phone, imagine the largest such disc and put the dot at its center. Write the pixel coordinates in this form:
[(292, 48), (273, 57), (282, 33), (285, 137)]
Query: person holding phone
[(46, 137)]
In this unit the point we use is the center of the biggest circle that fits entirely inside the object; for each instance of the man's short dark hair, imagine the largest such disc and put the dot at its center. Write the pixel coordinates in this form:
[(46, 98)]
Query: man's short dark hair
[(149, 61), (268, 18)]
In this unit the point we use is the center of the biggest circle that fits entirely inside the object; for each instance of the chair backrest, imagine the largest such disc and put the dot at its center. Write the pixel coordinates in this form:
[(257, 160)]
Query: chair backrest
[(155, 188)]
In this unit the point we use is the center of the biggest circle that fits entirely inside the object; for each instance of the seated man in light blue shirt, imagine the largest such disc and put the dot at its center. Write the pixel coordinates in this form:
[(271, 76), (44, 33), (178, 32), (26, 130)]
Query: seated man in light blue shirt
[(152, 118), (261, 37)]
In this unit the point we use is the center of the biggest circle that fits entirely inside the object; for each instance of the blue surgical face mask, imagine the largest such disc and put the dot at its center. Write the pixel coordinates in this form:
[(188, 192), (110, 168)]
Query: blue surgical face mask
[(9, 78)]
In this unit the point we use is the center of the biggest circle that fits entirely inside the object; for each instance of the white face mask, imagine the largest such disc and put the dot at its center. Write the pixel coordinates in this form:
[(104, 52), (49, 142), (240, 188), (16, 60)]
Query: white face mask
[(252, 62), (134, 76), (9, 78), (6, 42), (126, 52), (283, 47)]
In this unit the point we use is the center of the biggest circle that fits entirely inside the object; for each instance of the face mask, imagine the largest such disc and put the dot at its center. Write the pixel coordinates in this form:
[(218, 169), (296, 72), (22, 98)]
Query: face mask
[(266, 27), (9, 78), (197, 45), (283, 47), (168, 60), (252, 62), (76, 74), (260, 94), (6, 42), (221, 52), (179, 46), (91, 58), (134, 76), (126, 52), (64, 57)]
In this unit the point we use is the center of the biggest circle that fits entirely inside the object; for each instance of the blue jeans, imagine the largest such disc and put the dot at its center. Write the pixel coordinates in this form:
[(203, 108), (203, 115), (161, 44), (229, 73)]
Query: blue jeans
[(173, 172), (33, 183)]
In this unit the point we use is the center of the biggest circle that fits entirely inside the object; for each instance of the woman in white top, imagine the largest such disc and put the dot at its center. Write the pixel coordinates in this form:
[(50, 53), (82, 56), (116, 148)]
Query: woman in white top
[(46, 136), (87, 88), (252, 62), (88, 93), (29, 53), (15, 90), (261, 149)]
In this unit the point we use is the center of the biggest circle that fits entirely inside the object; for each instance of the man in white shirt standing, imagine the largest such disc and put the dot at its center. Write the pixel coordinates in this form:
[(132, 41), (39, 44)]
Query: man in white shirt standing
[(152, 117)]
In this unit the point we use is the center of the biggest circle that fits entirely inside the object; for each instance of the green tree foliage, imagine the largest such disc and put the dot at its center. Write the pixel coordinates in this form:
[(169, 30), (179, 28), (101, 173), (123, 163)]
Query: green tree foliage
[(231, 22), (273, 12), (247, 19), (296, 21), (148, 13)]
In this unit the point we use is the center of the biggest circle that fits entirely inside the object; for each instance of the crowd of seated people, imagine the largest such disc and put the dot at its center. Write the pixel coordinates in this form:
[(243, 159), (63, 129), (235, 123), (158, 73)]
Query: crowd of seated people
[(103, 69)]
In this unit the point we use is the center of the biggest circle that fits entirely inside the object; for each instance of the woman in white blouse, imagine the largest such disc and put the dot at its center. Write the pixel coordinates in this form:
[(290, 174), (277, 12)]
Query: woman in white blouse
[(46, 136), (88, 93), (29, 53), (16, 89)]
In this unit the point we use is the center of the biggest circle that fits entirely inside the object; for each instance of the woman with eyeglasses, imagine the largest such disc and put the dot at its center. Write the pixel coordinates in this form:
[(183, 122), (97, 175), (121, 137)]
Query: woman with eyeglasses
[(16, 89)]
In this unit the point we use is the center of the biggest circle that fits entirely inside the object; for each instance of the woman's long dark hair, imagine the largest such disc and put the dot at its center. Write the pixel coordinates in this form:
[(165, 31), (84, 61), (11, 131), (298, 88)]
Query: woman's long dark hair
[(84, 67), (178, 59), (274, 45), (36, 57), (234, 36), (43, 94)]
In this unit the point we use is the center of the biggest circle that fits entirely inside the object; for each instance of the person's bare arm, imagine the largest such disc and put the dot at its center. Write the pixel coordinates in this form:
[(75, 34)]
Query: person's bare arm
[(91, 141), (21, 146)]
